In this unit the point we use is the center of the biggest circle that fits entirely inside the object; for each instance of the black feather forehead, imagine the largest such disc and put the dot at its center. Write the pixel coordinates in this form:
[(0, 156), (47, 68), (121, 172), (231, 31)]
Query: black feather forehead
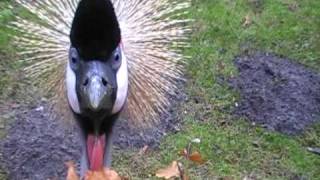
[(95, 31)]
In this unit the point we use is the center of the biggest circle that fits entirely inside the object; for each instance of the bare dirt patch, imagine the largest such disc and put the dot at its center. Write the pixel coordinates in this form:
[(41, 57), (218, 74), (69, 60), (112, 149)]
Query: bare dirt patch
[(277, 93), (37, 147)]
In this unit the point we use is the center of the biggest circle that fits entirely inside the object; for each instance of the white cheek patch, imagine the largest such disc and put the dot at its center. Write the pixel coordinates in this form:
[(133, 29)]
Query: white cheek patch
[(122, 80), (71, 90)]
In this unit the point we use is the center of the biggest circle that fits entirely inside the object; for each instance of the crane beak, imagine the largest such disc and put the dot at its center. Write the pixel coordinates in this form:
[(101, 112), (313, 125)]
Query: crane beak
[(97, 87), (97, 92)]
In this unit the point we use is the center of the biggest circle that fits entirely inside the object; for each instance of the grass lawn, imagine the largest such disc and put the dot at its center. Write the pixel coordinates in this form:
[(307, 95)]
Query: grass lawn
[(232, 148)]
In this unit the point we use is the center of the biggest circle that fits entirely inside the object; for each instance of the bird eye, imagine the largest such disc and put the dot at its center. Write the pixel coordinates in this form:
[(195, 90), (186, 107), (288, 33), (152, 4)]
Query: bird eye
[(116, 60), (73, 58)]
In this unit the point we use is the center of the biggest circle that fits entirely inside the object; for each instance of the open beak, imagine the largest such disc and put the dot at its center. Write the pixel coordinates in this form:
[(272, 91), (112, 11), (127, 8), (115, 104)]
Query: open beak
[(97, 90)]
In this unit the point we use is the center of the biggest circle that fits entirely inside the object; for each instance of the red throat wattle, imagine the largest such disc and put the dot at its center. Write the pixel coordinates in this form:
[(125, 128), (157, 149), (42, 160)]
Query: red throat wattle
[(95, 149)]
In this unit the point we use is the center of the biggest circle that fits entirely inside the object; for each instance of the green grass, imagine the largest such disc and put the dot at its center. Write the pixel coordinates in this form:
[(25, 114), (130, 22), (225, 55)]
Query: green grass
[(5, 17), (9, 65), (233, 148), (234, 151)]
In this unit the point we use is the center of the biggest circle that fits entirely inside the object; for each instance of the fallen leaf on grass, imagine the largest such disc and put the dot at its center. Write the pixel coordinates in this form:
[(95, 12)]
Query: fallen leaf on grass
[(143, 150), (185, 177), (105, 174), (247, 21), (192, 156), (171, 171), (196, 140), (72, 173), (293, 6), (314, 150), (183, 173), (196, 157), (184, 152)]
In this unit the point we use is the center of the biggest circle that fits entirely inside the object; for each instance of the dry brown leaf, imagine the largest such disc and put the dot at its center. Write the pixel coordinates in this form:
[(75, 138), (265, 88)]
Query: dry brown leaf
[(171, 171), (196, 157), (247, 21), (185, 177), (143, 150), (293, 6), (183, 173), (184, 153), (105, 174), (72, 173)]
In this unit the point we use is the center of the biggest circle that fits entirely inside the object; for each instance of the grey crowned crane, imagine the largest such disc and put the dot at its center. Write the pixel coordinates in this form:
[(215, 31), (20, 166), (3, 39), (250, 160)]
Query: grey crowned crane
[(109, 57), (97, 78)]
